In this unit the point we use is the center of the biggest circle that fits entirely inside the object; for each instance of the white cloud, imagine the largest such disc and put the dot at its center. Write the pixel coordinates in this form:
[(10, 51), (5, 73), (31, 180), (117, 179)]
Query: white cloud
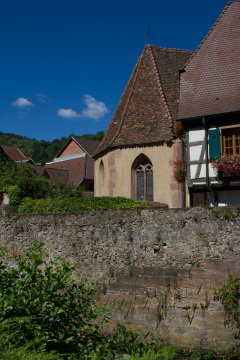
[(95, 109), (68, 113), (22, 103), (43, 98)]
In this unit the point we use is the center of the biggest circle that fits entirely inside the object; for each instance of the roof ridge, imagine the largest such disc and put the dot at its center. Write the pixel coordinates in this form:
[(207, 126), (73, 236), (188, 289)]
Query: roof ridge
[(129, 97), (83, 138), (210, 31), (160, 86), (165, 48)]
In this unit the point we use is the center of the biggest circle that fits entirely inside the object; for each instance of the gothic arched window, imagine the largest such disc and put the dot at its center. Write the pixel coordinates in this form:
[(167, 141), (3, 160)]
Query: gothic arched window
[(101, 179), (144, 180)]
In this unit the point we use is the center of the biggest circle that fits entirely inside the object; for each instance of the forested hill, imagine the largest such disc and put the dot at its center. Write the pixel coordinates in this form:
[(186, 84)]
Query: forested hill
[(41, 151)]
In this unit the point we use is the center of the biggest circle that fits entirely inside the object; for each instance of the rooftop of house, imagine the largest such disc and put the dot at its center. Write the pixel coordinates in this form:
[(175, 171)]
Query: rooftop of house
[(73, 170), (87, 145), (210, 81), (15, 154), (58, 175), (149, 103)]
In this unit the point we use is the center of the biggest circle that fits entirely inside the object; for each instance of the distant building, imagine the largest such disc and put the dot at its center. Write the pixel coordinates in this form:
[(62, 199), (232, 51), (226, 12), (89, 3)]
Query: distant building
[(73, 164), (15, 154)]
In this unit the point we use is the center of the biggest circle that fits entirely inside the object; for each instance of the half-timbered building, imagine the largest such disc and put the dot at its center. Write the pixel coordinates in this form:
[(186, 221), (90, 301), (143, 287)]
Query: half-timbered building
[(210, 110)]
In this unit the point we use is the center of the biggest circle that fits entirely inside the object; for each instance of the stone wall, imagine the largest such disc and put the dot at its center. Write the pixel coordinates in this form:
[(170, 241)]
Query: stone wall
[(154, 262)]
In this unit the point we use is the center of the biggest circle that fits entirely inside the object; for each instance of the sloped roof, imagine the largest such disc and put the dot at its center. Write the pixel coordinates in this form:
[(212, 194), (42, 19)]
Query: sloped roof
[(58, 175), (15, 154), (210, 83), (39, 167), (87, 145), (78, 169), (90, 146), (149, 102)]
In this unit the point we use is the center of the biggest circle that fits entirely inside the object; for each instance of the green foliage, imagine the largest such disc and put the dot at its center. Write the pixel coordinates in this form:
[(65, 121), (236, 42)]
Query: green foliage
[(228, 214), (229, 293), (21, 180), (61, 191), (77, 204), (58, 313), (47, 310), (27, 352), (203, 351), (165, 352), (41, 151)]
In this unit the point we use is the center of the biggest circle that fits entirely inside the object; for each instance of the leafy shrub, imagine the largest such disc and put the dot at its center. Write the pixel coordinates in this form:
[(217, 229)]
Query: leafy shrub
[(26, 351), (61, 191), (21, 180), (77, 204), (165, 352), (229, 293), (58, 313), (47, 310), (203, 351)]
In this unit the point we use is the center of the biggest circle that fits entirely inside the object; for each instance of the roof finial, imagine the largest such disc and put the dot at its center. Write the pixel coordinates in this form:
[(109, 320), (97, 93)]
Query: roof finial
[(148, 32)]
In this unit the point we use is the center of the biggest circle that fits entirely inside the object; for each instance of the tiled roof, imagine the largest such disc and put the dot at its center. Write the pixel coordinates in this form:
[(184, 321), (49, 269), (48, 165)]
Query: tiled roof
[(15, 154), (149, 102), (58, 175), (39, 167), (87, 145), (90, 146), (210, 83), (78, 169)]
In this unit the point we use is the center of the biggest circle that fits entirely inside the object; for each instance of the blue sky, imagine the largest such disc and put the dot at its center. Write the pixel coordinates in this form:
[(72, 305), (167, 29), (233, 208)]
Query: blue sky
[(64, 64)]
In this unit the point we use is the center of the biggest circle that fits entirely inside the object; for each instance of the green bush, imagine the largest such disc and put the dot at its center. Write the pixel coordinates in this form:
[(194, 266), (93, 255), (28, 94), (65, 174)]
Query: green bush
[(58, 313), (21, 180), (165, 352), (77, 204), (26, 351), (47, 310)]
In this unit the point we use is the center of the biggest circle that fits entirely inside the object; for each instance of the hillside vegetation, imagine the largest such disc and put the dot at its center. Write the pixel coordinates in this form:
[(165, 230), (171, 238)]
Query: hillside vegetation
[(41, 151)]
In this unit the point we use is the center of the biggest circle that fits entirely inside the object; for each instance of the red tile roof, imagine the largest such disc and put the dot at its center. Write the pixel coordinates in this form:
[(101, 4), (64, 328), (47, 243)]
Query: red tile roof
[(15, 154), (149, 103), (87, 145), (78, 169), (57, 175), (210, 83)]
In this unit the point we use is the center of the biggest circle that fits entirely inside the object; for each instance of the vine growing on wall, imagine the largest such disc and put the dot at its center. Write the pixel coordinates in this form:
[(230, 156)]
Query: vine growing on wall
[(229, 294)]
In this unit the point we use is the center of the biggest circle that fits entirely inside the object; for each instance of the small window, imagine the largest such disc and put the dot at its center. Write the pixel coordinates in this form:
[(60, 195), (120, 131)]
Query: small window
[(231, 141)]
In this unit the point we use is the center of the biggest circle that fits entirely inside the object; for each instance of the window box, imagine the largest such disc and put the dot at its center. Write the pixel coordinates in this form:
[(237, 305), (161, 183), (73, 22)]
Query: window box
[(226, 166)]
